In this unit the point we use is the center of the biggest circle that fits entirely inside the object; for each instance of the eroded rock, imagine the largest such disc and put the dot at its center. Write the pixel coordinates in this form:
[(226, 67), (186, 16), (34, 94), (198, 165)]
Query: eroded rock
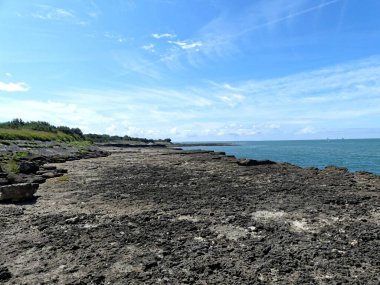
[(18, 192), (28, 167)]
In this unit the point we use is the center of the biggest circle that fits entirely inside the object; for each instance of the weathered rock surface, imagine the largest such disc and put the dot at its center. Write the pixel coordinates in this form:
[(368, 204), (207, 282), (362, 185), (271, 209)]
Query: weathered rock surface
[(28, 167), (18, 192), (161, 216)]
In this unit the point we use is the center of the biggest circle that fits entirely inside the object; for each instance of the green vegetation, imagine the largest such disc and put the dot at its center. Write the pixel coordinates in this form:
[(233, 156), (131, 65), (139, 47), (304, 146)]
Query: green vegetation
[(43, 131), (107, 138), (27, 134), (14, 156), (41, 126), (64, 178), (10, 166)]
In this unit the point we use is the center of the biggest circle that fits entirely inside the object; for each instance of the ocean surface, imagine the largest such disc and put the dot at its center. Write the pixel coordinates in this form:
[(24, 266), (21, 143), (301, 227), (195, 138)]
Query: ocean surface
[(354, 154)]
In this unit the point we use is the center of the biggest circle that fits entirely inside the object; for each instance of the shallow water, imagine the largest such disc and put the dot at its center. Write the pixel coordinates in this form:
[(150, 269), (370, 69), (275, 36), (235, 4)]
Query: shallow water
[(356, 155)]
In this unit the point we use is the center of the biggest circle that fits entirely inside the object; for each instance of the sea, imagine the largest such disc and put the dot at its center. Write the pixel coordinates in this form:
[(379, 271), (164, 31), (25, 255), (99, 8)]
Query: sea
[(354, 154)]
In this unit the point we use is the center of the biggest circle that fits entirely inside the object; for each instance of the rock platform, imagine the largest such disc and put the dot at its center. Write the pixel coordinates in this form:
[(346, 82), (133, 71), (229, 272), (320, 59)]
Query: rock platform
[(165, 216)]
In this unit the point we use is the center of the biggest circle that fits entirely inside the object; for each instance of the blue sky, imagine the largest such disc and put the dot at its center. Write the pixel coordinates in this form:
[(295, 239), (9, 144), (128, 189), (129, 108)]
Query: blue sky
[(194, 70)]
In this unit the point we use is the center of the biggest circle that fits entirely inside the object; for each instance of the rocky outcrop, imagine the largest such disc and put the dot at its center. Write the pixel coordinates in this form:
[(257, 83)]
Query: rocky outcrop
[(18, 192), (29, 164), (28, 167), (252, 162)]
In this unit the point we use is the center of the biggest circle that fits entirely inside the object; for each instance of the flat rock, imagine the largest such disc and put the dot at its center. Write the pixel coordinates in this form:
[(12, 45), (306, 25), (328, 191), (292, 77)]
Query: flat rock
[(252, 162), (48, 175), (37, 179), (48, 167), (18, 192)]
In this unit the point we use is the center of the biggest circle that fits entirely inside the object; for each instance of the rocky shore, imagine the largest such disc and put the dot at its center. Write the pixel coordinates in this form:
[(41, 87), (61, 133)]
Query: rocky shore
[(22, 165), (155, 215)]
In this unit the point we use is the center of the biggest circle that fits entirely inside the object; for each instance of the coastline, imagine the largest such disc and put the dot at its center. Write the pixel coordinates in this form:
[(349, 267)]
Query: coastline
[(166, 216)]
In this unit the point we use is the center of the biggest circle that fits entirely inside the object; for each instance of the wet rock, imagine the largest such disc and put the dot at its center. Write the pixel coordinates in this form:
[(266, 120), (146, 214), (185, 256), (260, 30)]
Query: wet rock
[(18, 192)]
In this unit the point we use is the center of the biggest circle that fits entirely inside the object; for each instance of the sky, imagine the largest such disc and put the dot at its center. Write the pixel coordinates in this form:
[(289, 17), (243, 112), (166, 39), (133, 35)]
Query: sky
[(195, 70)]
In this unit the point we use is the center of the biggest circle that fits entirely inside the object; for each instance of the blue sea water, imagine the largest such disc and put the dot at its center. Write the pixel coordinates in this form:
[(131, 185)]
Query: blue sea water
[(355, 154)]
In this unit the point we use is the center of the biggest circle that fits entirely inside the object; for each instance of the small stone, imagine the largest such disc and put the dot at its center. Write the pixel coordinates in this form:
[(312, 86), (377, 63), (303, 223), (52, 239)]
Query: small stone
[(48, 175), (73, 220)]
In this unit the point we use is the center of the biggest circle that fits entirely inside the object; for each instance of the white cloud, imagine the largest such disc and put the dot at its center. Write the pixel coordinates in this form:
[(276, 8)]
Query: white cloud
[(273, 108), (306, 131), (149, 47), (166, 35), (187, 44), (13, 87)]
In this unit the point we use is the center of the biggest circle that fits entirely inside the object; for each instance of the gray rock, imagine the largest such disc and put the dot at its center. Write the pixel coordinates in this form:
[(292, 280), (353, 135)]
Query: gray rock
[(18, 192), (37, 179), (3, 181), (28, 167), (48, 175), (49, 167)]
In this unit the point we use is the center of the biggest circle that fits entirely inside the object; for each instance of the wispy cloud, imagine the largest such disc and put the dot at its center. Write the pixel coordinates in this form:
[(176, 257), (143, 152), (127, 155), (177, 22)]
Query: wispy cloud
[(46, 12), (165, 35), (116, 37), (187, 44), (8, 74), (149, 47), (13, 87), (284, 107), (223, 34), (232, 100)]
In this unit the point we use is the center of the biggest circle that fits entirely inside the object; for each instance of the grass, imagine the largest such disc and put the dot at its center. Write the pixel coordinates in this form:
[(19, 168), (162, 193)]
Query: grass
[(82, 146), (27, 134), (64, 178), (10, 166)]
